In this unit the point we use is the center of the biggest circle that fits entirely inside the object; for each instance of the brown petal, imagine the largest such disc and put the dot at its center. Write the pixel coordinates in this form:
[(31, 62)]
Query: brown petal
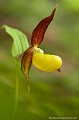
[(39, 31), (27, 62), (59, 70)]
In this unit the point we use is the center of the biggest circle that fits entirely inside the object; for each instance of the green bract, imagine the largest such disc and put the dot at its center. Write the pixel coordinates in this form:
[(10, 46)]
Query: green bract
[(20, 43)]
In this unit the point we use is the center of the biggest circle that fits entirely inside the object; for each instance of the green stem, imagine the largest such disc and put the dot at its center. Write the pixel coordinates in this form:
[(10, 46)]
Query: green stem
[(16, 87)]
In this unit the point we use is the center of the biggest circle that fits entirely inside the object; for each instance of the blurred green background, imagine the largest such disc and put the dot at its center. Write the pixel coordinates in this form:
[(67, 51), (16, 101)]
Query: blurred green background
[(52, 94)]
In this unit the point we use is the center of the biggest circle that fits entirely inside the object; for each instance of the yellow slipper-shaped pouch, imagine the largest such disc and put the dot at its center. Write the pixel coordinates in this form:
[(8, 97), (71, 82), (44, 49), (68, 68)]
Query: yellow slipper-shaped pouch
[(46, 62)]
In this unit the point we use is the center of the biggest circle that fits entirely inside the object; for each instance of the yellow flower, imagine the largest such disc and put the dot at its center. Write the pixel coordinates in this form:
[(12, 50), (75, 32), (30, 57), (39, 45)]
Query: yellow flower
[(35, 55), (46, 62)]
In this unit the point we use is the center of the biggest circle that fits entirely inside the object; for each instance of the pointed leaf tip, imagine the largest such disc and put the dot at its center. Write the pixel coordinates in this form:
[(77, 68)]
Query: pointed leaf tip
[(39, 31), (56, 5), (20, 43)]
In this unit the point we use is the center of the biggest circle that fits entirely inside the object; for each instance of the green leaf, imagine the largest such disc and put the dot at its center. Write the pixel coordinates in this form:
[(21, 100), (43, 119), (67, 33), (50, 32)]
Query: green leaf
[(20, 43)]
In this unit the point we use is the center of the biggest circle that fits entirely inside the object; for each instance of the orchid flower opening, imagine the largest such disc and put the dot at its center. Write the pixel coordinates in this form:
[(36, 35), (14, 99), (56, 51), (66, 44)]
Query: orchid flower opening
[(34, 55)]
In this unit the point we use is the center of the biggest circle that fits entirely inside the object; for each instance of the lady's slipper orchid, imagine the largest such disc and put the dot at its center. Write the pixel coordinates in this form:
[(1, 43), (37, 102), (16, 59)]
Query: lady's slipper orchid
[(44, 62)]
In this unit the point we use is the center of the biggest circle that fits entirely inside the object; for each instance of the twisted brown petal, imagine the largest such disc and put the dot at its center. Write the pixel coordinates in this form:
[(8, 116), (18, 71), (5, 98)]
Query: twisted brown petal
[(39, 31), (27, 62)]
